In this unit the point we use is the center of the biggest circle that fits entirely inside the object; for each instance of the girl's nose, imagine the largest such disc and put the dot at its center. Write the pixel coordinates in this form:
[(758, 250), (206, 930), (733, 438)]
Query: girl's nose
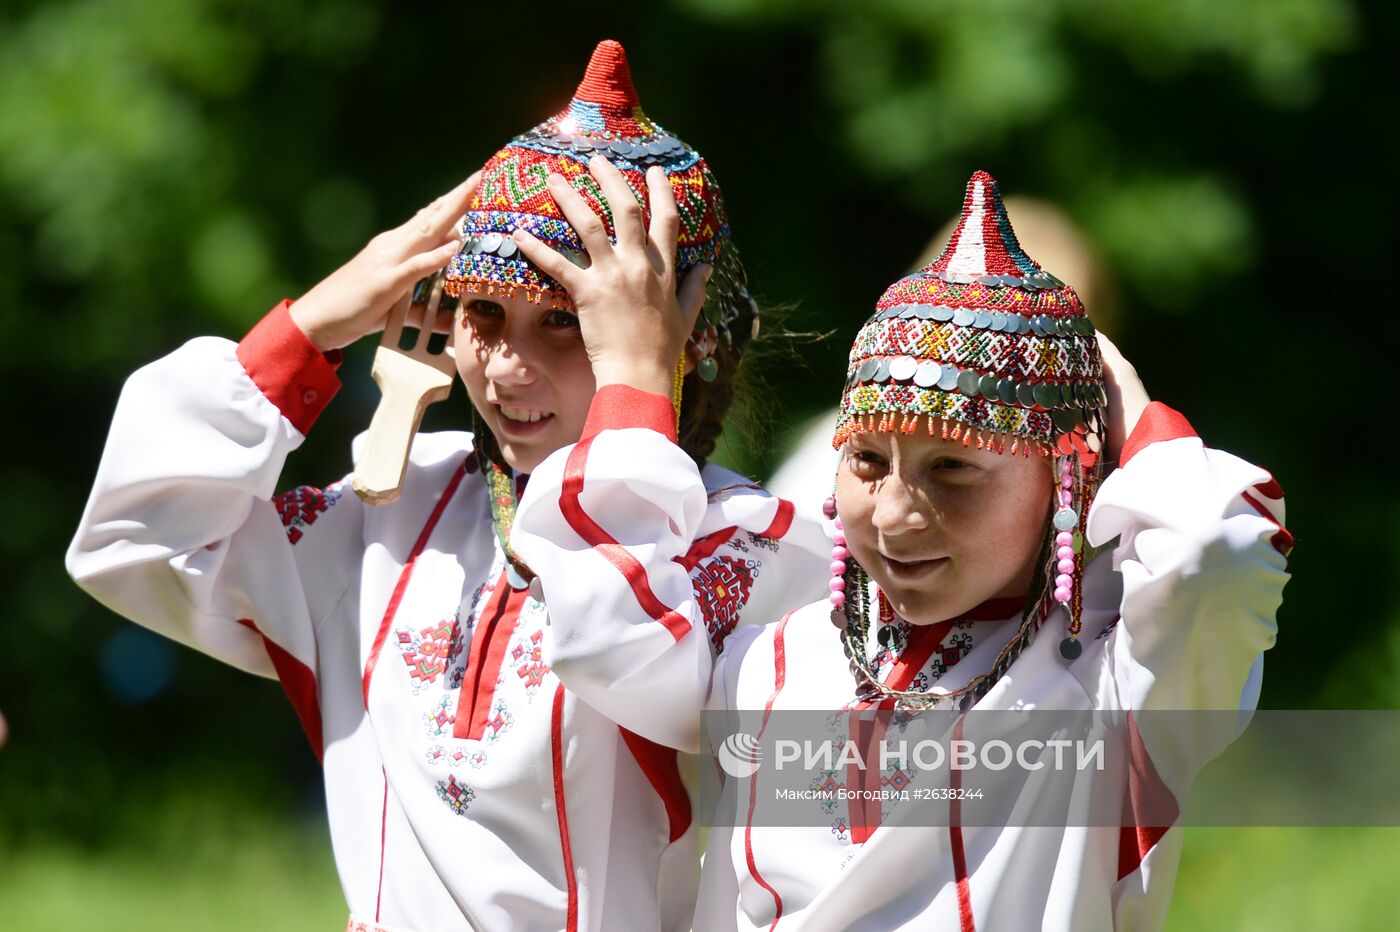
[(899, 509), (510, 362)]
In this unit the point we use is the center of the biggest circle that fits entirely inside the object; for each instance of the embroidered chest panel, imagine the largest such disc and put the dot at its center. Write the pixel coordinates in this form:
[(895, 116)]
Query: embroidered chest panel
[(851, 820), (475, 682)]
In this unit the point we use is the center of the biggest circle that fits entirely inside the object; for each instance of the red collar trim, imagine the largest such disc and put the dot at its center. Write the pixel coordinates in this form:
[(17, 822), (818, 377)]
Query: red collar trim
[(925, 639)]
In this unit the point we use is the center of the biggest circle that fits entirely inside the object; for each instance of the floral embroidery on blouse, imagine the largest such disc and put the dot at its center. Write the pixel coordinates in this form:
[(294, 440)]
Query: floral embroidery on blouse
[(430, 651)]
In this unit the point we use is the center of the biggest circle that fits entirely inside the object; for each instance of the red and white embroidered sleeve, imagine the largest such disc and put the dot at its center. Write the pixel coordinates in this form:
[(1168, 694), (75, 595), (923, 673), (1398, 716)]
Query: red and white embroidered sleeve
[(1203, 570), (645, 571)]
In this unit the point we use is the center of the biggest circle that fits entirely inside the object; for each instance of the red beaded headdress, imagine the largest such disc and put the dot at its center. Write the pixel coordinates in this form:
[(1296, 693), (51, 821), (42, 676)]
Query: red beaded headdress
[(605, 117)]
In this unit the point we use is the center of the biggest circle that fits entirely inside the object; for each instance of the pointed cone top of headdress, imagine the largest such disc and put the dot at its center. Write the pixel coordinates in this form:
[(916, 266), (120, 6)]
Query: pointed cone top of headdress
[(984, 248), (608, 80), (604, 118), (606, 103)]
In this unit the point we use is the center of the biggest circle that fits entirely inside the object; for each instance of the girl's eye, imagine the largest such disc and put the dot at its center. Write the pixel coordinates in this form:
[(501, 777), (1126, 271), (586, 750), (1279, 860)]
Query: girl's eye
[(486, 309), (866, 464), (561, 319), (955, 470)]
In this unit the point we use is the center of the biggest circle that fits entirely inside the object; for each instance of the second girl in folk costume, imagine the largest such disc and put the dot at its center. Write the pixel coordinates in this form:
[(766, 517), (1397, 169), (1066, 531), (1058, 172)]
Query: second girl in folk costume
[(979, 414), (467, 787), (980, 564)]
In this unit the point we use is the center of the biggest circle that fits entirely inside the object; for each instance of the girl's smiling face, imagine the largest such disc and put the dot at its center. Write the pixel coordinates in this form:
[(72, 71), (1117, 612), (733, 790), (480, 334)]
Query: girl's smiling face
[(939, 526), (527, 372)]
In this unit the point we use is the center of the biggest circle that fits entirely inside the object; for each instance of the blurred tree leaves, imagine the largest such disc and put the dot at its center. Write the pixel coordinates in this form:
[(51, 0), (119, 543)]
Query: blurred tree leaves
[(924, 83), (122, 144)]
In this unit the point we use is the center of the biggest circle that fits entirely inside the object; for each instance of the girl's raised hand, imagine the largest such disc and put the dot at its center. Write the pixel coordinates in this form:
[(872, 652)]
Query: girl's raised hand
[(356, 298), (1127, 398), (633, 322)]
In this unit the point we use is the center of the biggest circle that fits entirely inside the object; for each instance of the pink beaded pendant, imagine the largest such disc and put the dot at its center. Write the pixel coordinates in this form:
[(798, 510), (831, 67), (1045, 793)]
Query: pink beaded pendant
[(839, 566), (1065, 520), (839, 553)]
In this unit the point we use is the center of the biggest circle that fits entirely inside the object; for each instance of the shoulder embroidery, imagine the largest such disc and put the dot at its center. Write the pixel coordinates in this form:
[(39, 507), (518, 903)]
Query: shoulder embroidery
[(722, 586), (299, 508), (767, 543)]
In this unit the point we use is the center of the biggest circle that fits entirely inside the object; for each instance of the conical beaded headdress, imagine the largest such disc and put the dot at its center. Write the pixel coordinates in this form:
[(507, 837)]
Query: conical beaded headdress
[(605, 117), (983, 340)]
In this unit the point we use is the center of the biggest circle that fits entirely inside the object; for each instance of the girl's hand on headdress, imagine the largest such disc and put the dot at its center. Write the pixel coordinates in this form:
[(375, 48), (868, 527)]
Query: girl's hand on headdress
[(633, 322), (356, 298), (1127, 398)]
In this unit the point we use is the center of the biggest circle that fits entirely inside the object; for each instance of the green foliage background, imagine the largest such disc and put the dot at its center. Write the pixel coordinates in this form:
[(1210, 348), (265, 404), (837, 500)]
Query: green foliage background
[(170, 168)]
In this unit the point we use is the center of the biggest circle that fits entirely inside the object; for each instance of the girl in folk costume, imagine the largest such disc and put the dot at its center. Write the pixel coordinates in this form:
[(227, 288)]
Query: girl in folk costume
[(974, 567), (466, 786)]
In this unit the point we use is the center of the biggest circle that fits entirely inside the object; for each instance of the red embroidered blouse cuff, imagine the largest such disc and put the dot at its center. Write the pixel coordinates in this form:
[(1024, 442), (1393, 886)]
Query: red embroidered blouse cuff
[(620, 406), (1158, 422), (294, 375)]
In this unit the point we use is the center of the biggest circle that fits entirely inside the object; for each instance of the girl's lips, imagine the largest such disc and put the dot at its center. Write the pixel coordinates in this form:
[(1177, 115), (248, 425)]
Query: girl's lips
[(911, 571), (522, 430)]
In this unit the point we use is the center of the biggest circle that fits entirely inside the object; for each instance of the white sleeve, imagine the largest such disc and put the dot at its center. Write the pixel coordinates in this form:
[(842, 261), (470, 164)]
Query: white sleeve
[(1202, 556), (718, 906), (181, 533), (644, 571)]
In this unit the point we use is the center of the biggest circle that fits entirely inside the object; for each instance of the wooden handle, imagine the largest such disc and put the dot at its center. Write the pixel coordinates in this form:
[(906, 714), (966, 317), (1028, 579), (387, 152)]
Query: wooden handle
[(379, 472), (409, 381)]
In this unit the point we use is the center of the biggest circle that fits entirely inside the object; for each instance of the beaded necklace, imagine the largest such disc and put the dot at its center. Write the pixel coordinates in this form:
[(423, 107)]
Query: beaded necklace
[(500, 489)]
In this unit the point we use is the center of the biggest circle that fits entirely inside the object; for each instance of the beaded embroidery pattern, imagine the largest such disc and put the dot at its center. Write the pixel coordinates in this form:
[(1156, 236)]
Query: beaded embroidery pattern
[(605, 117)]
